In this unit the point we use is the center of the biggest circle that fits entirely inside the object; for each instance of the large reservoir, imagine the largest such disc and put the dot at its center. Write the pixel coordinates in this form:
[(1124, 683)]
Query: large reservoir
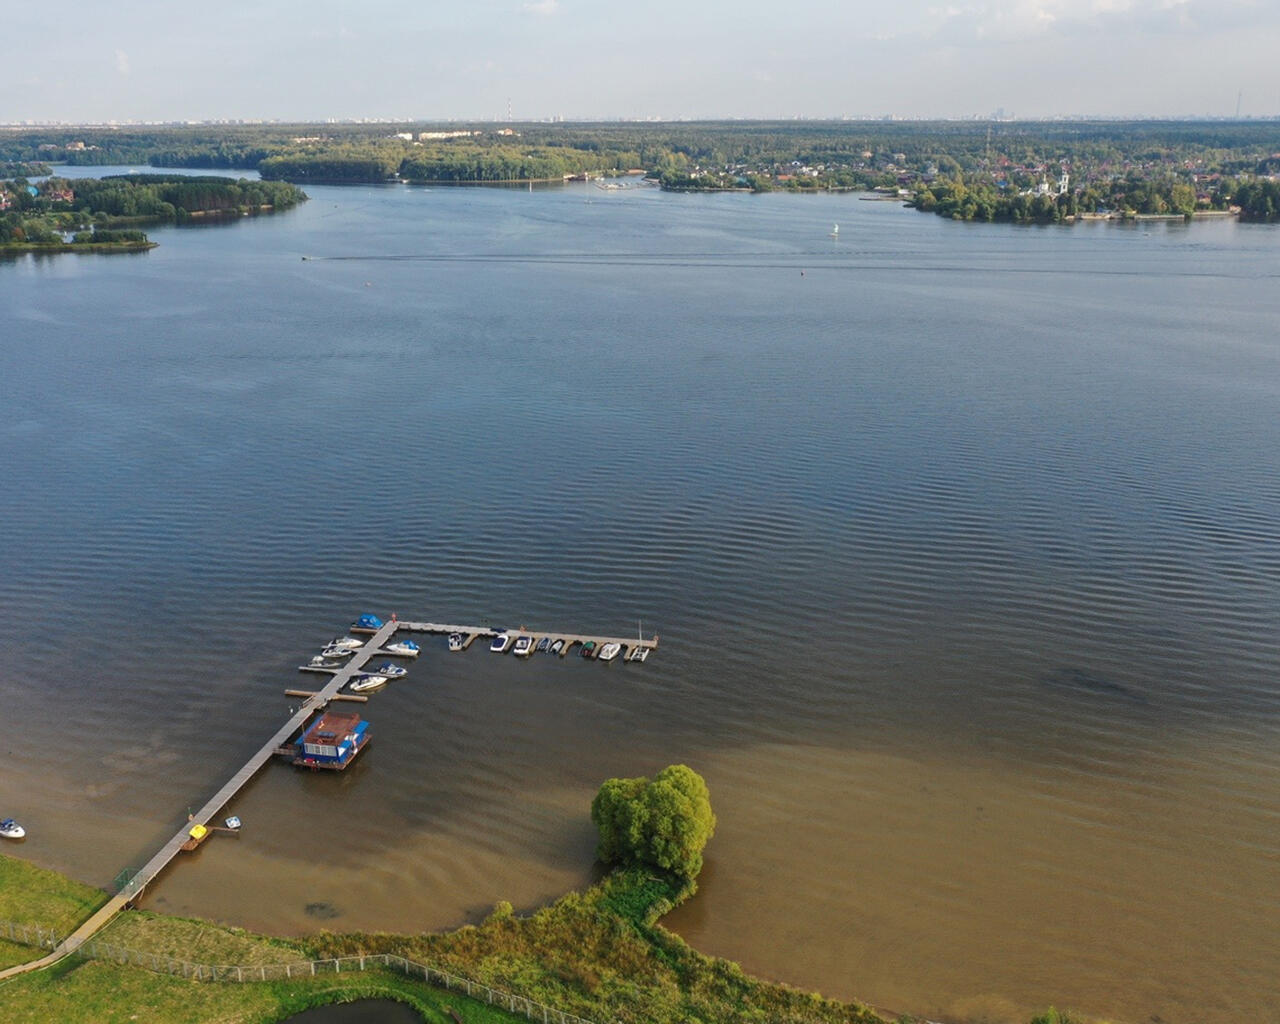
[(963, 542)]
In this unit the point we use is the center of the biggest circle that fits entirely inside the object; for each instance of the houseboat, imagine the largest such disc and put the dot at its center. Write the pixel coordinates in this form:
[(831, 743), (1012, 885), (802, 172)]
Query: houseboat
[(332, 741)]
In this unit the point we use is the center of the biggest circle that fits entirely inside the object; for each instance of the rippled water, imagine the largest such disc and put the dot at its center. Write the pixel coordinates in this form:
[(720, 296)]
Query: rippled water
[(963, 542)]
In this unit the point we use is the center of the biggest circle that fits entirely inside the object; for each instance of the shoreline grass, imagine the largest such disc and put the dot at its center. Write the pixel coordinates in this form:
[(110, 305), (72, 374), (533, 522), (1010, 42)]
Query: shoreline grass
[(600, 954)]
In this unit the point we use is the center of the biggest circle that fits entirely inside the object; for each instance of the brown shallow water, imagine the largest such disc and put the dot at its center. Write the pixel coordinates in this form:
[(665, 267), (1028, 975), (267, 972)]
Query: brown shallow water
[(963, 548)]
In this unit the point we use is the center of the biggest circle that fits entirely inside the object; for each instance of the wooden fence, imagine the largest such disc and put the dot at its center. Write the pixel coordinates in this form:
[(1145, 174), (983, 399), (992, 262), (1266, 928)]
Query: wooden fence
[(98, 949)]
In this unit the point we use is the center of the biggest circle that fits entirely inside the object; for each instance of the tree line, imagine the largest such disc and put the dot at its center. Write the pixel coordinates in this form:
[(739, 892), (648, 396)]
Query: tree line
[(105, 210)]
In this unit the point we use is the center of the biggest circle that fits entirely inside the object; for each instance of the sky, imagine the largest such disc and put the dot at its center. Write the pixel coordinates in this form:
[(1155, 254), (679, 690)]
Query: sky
[(90, 61)]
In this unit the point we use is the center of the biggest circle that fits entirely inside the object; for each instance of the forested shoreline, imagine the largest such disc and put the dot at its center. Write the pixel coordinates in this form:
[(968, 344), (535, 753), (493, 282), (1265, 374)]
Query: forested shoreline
[(1013, 171), (105, 214)]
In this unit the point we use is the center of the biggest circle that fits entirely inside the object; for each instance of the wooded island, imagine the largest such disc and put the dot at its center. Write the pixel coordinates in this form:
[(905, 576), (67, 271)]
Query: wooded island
[(106, 214)]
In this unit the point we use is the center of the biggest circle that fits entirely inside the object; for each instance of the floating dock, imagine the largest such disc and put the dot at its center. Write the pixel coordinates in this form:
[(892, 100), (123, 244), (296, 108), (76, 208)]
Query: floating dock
[(471, 633)]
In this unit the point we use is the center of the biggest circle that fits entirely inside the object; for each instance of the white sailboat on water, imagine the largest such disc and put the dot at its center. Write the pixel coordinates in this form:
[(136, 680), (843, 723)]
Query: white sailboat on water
[(835, 230)]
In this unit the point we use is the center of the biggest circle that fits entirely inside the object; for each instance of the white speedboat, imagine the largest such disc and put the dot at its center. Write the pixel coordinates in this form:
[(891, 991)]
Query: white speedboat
[(320, 661), (544, 645), (500, 643), (337, 652), (456, 641), (403, 649), (10, 829), (523, 647), (610, 651), (557, 647), (349, 643), (367, 681), (391, 671)]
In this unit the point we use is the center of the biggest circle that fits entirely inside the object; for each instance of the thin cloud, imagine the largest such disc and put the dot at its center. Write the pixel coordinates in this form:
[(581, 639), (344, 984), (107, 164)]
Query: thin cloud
[(542, 8), (122, 62), (1020, 19)]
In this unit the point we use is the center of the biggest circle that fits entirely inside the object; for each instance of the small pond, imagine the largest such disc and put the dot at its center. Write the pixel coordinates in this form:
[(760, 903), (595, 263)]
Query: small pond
[(366, 1011)]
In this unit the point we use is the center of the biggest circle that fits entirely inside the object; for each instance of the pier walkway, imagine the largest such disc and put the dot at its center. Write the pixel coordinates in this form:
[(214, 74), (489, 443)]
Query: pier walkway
[(160, 861)]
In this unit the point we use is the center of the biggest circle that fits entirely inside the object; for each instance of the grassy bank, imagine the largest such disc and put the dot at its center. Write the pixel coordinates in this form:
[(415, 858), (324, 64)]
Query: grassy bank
[(599, 954), (37, 896), (18, 248), (99, 993), (602, 955)]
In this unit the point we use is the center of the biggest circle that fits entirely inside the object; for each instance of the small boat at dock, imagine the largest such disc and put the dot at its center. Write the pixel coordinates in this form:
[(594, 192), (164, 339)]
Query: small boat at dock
[(10, 829), (523, 647), (638, 653), (366, 681), (320, 661), (500, 643), (350, 643), (544, 645), (337, 652), (367, 624), (456, 641), (556, 647), (610, 651), (589, 649), (391, 671), (403, 649)]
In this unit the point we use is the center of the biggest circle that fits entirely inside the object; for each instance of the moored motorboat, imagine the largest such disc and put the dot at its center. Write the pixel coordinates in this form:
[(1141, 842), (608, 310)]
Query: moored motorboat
[(367, 681), (350, 643), (10, 829), (367, 624), (320, 661), (391, 671), (544, 645), (523, 646), (500, 643), (403, 649), (337, 652), (234, 823), (589, 649), (556, 647), (610, 651), (456, 640)]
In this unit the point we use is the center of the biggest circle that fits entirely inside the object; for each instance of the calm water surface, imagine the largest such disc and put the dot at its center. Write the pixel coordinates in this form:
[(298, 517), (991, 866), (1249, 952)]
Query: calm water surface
[(963, 542)]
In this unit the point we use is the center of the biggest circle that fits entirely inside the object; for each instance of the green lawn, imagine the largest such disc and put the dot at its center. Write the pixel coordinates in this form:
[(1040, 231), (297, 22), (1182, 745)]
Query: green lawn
[(199, 942), (32, 895), (11, 953), (98, 993)]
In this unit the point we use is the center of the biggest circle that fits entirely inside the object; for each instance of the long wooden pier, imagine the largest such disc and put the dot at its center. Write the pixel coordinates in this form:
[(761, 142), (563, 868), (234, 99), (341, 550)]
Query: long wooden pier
[(313, 702), (160, 861)]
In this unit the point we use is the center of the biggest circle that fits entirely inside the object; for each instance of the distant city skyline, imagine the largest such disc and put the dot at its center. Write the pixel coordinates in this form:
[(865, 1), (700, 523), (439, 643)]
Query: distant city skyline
[(140, 60)]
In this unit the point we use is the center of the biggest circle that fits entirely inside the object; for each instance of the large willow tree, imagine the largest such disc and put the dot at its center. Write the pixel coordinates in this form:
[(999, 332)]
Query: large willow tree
[(664, 822)]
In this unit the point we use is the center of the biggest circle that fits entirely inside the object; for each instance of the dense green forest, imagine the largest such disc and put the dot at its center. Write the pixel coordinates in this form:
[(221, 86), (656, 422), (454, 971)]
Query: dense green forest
[(868, 146), (105, 212)]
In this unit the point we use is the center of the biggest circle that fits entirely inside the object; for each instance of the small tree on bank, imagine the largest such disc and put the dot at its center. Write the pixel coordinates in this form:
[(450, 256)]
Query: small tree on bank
[(664, 822)]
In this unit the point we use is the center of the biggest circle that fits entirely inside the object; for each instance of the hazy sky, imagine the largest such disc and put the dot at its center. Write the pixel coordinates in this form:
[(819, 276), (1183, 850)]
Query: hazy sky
[(82, 60)]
